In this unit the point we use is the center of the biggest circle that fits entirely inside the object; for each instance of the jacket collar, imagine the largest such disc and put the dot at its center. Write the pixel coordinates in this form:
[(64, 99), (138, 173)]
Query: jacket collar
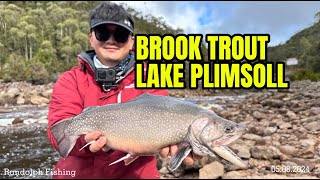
[(86, 60)]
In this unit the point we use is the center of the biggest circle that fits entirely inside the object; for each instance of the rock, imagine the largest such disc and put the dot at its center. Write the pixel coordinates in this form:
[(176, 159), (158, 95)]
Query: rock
[(17, 120), (249, 118), (311, 119), (47, 93), (20, 99), (204, 161), (315, 110), (310, 163), (254, 129), (283, 157), (34, 92), (255, 163), (179, 172), (258, 139), (286, 98), (313, 126), (316, 170), (235, 113), (13, 92), (164, 170), (225, 113), (270, 130), (242, 150), (309, 149), (38, 100), (235, 174), (289, 150), (307, 142), (259, 115), (213, 170), (276, 120), (252, 137), (272, 103), (267, 139), (279, 95), (3, 99), (228, 166), (265, 152), (284, 125), (291, 115)]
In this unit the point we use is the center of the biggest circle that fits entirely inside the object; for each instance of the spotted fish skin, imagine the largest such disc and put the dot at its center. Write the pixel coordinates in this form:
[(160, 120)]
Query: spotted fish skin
[(146, 124)]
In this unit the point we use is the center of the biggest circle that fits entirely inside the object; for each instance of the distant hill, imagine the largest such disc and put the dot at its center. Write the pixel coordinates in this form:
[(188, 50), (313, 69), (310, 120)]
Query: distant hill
[(305, 46)]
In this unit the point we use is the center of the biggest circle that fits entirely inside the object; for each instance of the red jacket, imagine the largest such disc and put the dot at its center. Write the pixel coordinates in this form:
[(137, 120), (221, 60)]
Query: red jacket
[(77, 89)]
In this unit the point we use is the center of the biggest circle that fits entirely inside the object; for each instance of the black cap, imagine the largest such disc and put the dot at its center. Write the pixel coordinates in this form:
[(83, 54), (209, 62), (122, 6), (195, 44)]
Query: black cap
[(127, 23)]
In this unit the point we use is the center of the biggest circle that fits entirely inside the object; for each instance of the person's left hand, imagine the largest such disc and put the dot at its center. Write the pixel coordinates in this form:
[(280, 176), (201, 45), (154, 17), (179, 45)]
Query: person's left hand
[(172, 149)]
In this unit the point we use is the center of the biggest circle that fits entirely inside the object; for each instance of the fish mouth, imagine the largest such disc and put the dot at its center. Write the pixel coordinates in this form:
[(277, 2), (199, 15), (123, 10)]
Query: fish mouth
[(230, 156), (225, 140)]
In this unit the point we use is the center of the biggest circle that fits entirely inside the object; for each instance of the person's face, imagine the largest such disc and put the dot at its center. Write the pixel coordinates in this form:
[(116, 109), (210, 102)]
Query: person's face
[(110, 52)]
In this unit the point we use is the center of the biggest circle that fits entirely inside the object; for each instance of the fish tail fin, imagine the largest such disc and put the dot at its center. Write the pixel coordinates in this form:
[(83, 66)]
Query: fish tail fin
[(64, 141)]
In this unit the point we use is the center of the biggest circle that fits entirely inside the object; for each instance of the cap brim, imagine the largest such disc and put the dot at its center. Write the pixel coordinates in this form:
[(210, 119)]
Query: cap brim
[(111, 22)]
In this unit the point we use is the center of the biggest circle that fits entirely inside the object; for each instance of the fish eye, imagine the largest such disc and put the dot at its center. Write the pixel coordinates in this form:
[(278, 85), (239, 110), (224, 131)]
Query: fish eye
[(228, 129)]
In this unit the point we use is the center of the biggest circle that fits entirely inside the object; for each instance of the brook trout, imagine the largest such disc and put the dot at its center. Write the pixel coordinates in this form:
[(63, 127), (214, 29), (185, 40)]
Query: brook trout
[(146, 124)]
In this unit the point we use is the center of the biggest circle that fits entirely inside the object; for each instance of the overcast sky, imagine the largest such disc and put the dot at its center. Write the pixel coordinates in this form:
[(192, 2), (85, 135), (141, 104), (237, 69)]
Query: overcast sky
[(280, 19)]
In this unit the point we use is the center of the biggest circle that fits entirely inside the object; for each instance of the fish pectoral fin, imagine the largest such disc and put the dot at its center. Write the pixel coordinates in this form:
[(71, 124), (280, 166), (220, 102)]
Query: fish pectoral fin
[(177, 159), (130, 159), (121, 159)]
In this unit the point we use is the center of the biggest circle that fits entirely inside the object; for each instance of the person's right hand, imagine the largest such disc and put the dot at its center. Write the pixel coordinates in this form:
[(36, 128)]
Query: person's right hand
[(100, 141)]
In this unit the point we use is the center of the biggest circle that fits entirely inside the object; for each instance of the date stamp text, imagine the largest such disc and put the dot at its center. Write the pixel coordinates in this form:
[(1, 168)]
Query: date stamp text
[(290, 169)]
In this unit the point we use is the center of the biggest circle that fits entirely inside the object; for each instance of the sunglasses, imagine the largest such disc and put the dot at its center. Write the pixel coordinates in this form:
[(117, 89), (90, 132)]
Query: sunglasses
[(120, 34)]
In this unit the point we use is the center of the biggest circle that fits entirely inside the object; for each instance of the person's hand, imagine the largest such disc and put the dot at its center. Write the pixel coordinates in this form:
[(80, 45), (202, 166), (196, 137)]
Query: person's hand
[(172, 149), (100, 141)]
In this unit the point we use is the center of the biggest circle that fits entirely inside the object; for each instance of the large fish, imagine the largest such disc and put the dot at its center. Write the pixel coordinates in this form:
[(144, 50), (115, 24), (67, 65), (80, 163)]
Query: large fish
[(146, 124)]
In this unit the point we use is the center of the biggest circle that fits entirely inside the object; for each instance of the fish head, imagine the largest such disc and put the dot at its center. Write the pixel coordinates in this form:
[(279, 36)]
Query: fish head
[(221, 132), (215, 131), (212, 133)]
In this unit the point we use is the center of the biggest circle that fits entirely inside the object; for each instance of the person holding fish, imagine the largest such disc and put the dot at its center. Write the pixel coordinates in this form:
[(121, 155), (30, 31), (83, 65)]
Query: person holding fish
[(105, 76)]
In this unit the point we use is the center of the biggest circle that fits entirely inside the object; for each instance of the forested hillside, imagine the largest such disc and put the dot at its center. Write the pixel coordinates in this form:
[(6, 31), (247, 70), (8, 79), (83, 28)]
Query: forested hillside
[(39, 39), (305, 46)]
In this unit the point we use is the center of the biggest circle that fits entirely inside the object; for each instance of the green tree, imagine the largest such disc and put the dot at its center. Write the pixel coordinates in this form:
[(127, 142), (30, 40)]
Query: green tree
[(2, 58), (305, 47), (15, 69), (317, 16), (47, 55)]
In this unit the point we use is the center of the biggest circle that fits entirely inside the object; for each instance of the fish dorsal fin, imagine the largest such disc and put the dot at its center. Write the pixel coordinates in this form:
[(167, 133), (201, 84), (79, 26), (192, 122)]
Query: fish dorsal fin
[(88, 108), (143, 96)]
